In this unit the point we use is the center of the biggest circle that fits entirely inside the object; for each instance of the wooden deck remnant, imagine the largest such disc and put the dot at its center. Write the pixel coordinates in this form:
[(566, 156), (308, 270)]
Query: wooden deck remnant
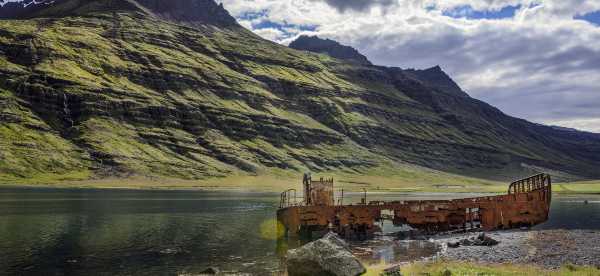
[(527, 203)]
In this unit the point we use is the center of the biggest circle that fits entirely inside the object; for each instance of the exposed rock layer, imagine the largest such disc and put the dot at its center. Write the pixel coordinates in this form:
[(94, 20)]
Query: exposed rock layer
[(117, 87), (329, 47)]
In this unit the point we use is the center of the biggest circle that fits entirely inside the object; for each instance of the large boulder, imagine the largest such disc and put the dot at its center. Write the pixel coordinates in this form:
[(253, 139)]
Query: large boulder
[(329, 255)]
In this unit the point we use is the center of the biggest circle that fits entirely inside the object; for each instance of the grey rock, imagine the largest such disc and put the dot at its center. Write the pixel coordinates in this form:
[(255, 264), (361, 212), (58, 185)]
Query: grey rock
[(210, 271), (411, 235), (466, 242), (392, 271), (453, 244), (329, 255), (329, 47), (481, 240)]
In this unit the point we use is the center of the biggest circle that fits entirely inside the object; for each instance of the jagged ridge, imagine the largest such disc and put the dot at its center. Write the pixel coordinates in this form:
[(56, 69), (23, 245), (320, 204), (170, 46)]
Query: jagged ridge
[(329, 47)]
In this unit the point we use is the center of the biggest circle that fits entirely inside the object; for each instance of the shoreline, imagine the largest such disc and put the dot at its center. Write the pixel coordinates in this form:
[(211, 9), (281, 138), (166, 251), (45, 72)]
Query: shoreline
[(403, 180), (519, 252), (257, 189), (549, 249)]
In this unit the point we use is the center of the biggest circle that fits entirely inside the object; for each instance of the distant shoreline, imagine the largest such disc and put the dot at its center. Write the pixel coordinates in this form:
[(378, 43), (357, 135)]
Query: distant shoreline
[(257, 189)]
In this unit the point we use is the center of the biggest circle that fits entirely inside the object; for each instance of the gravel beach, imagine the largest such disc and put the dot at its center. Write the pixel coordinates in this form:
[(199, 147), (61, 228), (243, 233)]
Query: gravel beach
[(545, 248)]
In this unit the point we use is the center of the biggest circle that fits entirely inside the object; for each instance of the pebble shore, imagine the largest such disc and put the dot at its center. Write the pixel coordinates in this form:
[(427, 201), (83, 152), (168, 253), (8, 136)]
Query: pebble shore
[(545, 248)]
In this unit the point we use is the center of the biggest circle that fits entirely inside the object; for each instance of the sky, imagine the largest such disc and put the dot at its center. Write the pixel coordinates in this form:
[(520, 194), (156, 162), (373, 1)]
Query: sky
[(534, 59)]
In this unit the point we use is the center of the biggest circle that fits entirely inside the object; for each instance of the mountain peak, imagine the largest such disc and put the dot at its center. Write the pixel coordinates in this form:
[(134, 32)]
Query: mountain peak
[(329, 47), (191, 12), (437, 78)]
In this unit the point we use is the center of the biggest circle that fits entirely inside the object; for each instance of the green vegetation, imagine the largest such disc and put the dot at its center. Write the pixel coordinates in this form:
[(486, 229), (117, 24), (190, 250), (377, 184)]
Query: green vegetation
[(582, 187), (119, 98), (443, 268)]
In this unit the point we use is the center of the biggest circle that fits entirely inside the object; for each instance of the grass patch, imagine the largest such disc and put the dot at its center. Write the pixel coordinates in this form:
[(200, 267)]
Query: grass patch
[(276, 180), (443, 268), (583, 187)]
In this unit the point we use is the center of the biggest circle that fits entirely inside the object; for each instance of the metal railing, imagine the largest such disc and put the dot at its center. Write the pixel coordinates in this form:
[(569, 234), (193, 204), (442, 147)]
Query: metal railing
[(288, 198), (532, 183)]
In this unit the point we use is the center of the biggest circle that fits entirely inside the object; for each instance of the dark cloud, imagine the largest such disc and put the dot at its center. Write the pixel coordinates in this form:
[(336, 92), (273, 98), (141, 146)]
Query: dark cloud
[(535, 75), (357, 5), (539, 63)]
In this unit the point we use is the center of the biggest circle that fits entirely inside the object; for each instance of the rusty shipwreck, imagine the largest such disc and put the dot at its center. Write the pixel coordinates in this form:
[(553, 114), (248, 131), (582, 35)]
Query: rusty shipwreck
[(527, 203)]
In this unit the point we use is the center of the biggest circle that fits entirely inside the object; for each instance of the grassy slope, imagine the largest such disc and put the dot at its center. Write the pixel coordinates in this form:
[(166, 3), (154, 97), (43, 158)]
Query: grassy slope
[(148, 99), (79, 53)]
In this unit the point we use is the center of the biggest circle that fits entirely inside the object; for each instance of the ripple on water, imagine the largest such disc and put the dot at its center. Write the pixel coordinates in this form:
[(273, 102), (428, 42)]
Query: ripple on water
[(386, 250)]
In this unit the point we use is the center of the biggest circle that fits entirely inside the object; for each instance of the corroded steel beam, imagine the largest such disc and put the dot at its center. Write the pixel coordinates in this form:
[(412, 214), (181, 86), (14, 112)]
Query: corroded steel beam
[(527, 203)]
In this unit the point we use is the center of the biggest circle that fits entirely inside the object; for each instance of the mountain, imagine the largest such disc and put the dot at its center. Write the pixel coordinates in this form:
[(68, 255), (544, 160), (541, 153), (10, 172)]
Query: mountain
[(19, 9), (120, 87), (189, 12), (329, 47)]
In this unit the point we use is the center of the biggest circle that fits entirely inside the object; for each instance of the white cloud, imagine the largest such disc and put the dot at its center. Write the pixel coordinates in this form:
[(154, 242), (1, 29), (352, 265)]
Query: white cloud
[(592, 125), (540, 65), (270, 33)]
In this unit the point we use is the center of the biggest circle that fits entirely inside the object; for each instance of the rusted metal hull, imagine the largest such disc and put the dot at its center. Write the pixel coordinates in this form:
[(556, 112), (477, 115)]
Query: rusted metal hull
[(527, 203)]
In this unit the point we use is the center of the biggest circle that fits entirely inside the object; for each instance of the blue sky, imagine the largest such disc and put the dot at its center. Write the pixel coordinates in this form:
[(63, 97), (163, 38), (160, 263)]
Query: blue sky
[(468, 12), (592, 17), (533, 59)]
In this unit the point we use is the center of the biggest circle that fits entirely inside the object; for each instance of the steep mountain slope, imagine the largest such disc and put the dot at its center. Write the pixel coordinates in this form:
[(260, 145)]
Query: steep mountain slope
[(119, 87), (329, 47)]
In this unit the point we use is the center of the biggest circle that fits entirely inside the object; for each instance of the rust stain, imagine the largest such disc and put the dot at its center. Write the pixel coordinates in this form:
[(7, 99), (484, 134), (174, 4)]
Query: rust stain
[(527, 203)]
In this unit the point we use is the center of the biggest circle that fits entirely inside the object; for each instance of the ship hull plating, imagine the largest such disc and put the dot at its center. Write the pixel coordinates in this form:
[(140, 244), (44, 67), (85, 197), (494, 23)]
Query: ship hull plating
[(527, 203)]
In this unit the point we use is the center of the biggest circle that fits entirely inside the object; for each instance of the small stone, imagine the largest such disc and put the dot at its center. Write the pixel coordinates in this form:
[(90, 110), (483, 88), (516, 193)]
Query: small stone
[(210, 271), (392, 271), (466, 242), (453, 244)]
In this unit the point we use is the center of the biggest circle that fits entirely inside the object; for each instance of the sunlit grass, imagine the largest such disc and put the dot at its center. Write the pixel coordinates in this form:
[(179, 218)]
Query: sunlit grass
[(407, 179), (583, 187), (441, 268)]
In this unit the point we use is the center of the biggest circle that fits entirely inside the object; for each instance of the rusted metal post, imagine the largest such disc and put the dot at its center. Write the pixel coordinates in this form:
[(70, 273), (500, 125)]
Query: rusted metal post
[(364, 199)]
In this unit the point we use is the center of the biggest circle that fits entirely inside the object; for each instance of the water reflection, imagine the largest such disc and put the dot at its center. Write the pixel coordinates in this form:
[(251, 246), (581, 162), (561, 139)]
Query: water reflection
[(97, 232), (89, 232), (386, 250)]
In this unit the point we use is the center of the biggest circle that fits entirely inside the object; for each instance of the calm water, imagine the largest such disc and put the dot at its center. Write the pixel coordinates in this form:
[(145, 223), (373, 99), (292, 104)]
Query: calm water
[(113, 232)]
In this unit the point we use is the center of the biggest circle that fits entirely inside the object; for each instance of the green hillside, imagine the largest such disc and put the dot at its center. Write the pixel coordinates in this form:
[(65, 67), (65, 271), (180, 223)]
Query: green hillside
[(95, 89)]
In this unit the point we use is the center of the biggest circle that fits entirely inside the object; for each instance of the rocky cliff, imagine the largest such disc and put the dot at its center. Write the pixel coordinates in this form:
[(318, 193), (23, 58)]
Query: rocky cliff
[(119, 87), (329, 47)]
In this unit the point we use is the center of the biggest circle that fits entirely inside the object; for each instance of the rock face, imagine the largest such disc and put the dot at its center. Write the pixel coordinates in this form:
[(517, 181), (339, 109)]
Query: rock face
[(100, 88), (21, 9), (435, 78), (329, 47), (329, 255), (190, 12)]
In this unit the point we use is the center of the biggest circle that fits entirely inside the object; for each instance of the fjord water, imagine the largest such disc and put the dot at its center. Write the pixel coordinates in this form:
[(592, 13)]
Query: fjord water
[(124, 232)]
